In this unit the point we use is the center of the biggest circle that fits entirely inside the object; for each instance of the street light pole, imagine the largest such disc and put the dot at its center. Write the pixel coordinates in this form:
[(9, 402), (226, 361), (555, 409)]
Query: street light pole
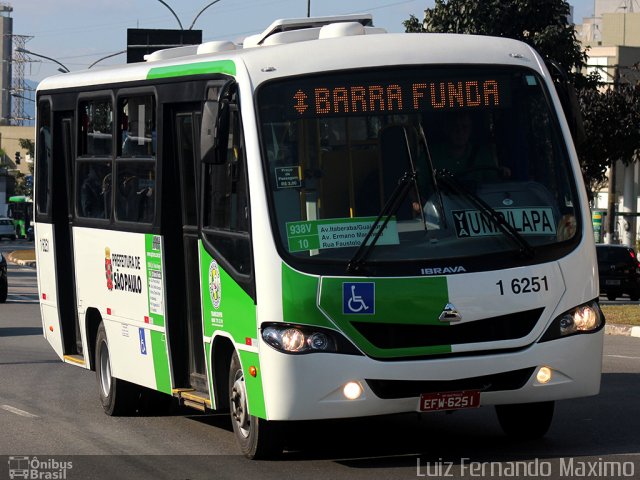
[(200, 13), (108, 56), (174, 13), (24, 50)]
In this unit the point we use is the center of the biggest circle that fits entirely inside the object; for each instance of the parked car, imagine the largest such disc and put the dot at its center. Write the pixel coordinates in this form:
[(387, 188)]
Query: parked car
[(7, 230), (619, 271), (4, 284)]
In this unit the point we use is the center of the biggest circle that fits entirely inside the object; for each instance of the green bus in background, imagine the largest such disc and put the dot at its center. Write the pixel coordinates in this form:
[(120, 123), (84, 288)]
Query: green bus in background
[(20, 210)]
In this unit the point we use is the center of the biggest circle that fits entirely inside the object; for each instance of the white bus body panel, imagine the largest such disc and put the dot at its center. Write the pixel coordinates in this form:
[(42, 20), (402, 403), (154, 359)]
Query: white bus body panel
[(126, 307), (307, 387), (47, 286)]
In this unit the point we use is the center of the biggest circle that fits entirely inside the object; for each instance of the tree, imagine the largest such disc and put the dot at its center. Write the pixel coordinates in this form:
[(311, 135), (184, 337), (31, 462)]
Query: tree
[(21, 186), (543, 24), (611, 117), (612, 127), (28, 145)]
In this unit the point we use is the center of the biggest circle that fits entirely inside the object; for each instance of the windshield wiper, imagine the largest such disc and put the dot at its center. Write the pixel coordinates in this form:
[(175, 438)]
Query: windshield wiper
[(489, 212), (390, 208), (434, 178)]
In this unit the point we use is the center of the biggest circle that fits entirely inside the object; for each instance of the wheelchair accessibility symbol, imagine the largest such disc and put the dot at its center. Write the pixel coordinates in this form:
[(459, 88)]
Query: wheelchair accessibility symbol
[(358, 298)]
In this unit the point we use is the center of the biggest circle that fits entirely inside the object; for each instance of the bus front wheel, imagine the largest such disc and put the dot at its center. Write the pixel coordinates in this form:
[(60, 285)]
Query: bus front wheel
[(117, 396), (525, 421), (258, 438)]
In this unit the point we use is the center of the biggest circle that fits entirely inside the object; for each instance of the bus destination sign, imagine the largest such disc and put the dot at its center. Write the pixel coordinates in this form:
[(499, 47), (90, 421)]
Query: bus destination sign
[(403, 97)]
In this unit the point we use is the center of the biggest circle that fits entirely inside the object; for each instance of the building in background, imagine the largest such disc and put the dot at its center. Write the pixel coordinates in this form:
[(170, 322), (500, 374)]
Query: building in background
[(612, 37)]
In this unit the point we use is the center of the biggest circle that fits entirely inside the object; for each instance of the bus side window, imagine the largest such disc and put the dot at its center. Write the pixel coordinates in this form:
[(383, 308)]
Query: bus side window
[(135, 184), (94, 188), (227, 202), (43, 191)]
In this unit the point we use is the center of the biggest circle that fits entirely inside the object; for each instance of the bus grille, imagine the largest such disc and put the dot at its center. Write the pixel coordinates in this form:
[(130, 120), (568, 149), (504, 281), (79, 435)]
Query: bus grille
[(399, 335), (391, 389)]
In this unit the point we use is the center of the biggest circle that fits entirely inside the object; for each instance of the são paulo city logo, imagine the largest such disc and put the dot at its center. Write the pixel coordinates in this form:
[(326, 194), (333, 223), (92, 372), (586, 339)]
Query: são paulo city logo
[(215, 286), (108, 268), (122, 271)]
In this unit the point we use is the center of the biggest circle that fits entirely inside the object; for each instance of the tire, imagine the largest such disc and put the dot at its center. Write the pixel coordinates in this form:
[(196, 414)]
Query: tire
[(525, 421), (257, 438), (634, 295), (4, 289), (118, 397), (611, 296)]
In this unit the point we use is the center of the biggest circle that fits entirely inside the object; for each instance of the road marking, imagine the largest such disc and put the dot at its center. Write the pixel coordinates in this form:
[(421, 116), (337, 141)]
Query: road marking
[(17, 411), (622, 356)]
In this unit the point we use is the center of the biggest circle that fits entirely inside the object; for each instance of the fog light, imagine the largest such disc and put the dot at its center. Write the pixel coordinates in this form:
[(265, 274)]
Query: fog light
[(544, 375), (352, 390)]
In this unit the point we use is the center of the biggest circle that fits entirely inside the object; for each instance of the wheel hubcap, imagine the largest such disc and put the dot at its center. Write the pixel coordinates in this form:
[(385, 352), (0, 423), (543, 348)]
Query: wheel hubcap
[(239, 411), (105, 370)]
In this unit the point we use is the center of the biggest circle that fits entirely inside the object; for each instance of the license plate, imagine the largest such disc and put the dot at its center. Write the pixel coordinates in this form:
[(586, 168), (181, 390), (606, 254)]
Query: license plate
[(432, 402), (612, 282)]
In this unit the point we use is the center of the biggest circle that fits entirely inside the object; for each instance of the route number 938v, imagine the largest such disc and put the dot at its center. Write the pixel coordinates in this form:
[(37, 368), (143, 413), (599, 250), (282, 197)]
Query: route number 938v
[(522, 285)]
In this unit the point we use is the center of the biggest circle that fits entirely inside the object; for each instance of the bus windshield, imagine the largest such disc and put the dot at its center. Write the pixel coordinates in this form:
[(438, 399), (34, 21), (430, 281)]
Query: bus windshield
[(479, 149)]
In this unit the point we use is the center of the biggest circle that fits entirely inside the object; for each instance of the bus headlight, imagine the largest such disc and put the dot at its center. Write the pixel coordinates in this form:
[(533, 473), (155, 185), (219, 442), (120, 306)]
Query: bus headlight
[(297, 339), (584, 318)]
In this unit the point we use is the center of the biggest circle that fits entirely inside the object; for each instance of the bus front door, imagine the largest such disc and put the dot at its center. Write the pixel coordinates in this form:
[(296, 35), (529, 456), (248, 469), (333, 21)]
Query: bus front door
[(181, 235)]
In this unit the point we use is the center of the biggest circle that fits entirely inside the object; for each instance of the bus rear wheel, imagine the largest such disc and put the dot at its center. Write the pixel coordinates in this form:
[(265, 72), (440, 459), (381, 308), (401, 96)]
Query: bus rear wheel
[(257, 438), (117, 396), (525, 421)]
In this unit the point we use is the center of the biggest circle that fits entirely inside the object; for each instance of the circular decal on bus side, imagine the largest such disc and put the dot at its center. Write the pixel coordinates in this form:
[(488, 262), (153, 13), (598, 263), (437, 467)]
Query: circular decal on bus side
[(215, 288)]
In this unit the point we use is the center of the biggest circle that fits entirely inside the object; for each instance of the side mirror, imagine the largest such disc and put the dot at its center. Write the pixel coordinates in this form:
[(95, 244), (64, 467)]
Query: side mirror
[(208, 134), (214, 130), (569, 100)]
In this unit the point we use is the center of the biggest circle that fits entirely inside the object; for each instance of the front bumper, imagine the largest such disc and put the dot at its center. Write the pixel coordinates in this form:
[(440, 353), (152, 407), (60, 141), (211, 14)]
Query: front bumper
[(307, 387)]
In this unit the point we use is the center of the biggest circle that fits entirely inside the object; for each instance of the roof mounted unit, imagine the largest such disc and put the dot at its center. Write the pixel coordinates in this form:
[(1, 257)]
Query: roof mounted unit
[(204, 48), (288, 24)]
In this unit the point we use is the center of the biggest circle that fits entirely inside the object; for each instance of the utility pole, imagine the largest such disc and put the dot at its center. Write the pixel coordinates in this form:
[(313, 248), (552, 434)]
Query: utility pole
[(19, 88), (610, 224)]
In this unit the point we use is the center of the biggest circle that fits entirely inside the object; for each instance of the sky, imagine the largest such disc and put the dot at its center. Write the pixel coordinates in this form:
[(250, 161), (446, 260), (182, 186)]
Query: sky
[(79, 32)]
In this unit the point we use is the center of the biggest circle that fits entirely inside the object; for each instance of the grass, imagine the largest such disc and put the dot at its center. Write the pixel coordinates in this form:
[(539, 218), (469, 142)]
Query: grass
[(622, 314)]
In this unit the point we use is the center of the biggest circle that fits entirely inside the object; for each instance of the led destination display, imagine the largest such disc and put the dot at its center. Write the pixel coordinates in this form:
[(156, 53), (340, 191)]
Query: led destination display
[(398, 97)]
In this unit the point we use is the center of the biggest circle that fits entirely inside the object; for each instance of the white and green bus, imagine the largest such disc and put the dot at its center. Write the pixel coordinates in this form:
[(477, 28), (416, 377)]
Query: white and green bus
[(326, 221)]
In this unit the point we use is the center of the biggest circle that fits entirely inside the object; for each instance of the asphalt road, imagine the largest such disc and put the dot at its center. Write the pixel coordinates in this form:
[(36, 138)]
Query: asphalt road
[(50, 411)]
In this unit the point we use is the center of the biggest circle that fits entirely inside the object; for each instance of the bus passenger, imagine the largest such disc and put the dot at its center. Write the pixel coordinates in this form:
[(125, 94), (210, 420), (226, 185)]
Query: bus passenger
[(463, 155)]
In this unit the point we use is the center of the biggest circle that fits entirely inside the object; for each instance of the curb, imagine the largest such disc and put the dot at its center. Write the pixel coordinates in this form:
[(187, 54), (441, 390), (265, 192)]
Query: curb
[(624, 330)]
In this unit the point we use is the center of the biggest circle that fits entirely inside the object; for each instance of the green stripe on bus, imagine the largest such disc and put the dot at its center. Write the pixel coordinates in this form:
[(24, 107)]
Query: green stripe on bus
[(220, 66), (404, 300), (227, 307), (207, 355), (255, 396), (160, 361), (299, 297), (411, 300), (155, 280)]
